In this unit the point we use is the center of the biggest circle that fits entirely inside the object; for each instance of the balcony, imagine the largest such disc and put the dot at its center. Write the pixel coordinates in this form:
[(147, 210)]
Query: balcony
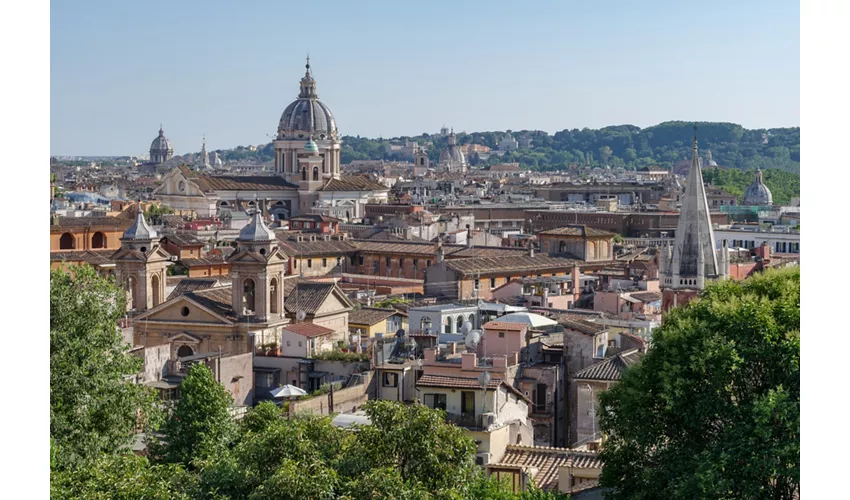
[(469, 421)]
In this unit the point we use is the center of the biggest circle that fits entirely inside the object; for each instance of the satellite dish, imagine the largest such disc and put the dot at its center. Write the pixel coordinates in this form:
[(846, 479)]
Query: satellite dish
[(300, 315), (472, 339), (466, 328)]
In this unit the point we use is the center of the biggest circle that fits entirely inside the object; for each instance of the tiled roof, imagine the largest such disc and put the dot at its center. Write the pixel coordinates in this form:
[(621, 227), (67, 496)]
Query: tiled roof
[(219, 300), (548, 462), (80, 222), (308, 330), (369, 315), (202, 262), (404, 248), (455, 382), (647, 296), (487, 252), (243, 182), (353, 183), (192, 285), (306, 296), (504, 325), (318, 247), (577, 230), (314, 218), (173, 220), (183, 240), (526, 263), (581, 325), (93, 257), (612, 368)]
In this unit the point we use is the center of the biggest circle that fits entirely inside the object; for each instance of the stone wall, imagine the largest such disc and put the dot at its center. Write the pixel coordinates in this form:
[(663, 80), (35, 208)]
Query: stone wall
[(343, 401)]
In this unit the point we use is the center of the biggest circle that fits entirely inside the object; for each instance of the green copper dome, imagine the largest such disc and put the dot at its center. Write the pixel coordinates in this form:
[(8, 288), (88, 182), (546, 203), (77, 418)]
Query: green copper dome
[(311, 147)]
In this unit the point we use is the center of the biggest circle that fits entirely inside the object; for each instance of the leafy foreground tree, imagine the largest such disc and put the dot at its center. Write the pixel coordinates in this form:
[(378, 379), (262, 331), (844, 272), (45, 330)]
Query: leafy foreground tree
[(713, 409), (93, 409), (200, 425)]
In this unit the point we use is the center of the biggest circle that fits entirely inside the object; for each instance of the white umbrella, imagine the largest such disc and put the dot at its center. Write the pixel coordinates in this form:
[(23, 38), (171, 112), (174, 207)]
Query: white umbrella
[(288, 391)]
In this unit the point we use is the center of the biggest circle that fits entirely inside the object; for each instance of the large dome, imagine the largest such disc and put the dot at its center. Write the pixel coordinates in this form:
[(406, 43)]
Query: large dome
[(757, 193), (307, 115), (453, 154), (161, 143)]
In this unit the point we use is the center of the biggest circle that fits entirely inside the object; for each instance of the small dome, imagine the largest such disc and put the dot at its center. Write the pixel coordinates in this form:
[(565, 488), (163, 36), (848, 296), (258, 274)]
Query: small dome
[(757, 193), (311, 147), (140, 230), (256, 231)]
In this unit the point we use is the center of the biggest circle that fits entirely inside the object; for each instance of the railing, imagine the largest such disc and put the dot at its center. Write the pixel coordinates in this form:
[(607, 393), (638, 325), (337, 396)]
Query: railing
[(470, 421)]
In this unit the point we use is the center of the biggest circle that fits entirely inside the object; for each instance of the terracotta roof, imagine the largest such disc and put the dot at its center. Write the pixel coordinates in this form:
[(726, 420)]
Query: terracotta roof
[(308, 330), (548, 462), (455, 382), (581, 325), (610, 369), (171, 220), (104, 222), (243, 182), (192, 285), (203, 262), (577, 230), (318, 247), (504, 325), (219, 300), (519, 265), (93, 257), (369, 315), (314, 218), (353, 183), (307, 296), (487, 252), (404, 248), (183, 240)]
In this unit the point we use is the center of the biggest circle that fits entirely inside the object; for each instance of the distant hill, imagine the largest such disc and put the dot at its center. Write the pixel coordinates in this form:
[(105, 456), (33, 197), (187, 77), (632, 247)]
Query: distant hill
[(625, 146)]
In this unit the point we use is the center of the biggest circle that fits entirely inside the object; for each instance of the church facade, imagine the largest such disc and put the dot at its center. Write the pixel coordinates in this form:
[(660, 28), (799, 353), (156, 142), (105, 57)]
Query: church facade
[(306, 172)]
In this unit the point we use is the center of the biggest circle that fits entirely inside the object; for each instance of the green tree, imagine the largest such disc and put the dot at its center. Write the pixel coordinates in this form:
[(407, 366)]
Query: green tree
[(200, 424), (713, 409), (93, 409), (128, 477)]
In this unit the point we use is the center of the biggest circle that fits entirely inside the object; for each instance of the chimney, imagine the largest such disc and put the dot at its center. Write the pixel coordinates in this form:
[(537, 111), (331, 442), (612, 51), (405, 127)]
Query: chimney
[(54, 220)]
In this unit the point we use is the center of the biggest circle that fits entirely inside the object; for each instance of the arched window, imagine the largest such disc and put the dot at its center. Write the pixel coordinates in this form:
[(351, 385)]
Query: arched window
[(591, 252), (66, 242), (184, 351), (449, 324), (422, 161), (303, 173), (223, 204), (248, 295), (562, 247), (315, 173), (459, 324), (98, 240), (274, 296), (155, 290), (425, 323), (472, 320)]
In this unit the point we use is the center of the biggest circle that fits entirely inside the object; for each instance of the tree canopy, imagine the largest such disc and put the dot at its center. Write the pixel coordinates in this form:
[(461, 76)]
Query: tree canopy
[(713, 409), (93, 409)]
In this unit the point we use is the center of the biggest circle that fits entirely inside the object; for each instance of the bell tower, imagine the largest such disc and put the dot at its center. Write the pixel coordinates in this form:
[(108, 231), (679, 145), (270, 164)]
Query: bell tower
[(140, 266), (257, 269), (420, 158)]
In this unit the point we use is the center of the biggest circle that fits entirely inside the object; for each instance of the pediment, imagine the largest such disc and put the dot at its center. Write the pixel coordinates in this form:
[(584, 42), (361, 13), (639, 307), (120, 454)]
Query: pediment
[(172, 311), (246, 256), (185, 337)]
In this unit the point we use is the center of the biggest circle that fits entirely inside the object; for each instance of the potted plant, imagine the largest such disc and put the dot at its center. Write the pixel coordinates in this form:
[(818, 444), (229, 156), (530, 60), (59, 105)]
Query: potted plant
[(274, 349)]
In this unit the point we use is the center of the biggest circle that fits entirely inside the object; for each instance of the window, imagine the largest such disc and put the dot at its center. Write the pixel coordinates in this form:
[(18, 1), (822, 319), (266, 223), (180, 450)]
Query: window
[(66, 242), (389, 262), (309, 262), (540, 397), (361, 260), (300, 343), (467, 402), (354, 260), (427, 263), (390, 379), (501, 335), (401, 262), (324, 262), (264, 380), (477, 283), (435, 401), (288, 343), (184, 311)]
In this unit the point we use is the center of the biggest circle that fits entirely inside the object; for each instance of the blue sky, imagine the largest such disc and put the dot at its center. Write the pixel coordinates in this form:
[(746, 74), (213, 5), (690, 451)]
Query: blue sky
[(388, 68)]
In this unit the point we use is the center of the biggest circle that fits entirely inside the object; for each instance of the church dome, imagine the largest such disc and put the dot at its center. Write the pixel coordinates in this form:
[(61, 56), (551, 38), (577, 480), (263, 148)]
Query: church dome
[(307, 115), (453, 154), (256, 231), (161, 144), (311, 147), (140, 230), (757, 193)]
